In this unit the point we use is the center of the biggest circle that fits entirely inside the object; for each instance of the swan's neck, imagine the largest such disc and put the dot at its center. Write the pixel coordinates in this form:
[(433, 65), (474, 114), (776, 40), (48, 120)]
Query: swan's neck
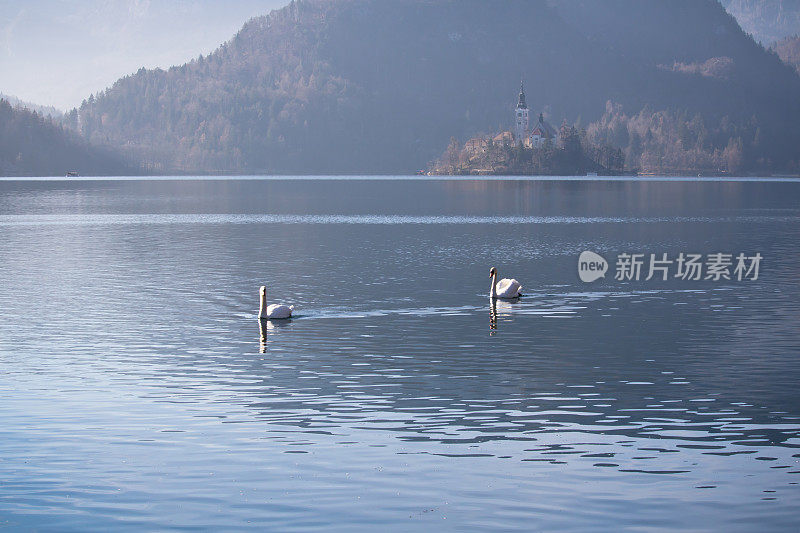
[(262, 310), (493, 289)]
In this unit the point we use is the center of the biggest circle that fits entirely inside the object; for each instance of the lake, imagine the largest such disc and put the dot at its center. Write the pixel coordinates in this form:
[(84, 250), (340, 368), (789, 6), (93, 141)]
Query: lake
[(136, 392)]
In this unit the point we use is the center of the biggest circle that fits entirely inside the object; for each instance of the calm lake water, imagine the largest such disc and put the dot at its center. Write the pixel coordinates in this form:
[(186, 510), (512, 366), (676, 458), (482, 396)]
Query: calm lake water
[(135, 392)]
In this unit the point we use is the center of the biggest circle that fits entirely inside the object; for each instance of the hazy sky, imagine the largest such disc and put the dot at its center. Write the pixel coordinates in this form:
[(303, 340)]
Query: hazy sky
[(57, 52)]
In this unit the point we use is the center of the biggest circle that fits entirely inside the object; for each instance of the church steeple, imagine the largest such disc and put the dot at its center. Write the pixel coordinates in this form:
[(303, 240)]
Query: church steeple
[(522, 104), (522, 126)]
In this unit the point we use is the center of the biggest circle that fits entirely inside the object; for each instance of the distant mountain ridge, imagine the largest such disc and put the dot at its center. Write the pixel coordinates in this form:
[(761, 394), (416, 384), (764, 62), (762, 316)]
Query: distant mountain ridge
[(768, 21), (44, 110), (362, 86), (789, 51)]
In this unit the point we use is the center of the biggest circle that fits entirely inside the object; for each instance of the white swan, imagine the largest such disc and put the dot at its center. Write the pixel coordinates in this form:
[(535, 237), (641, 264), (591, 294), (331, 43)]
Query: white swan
[(505, 288), (274, 311)]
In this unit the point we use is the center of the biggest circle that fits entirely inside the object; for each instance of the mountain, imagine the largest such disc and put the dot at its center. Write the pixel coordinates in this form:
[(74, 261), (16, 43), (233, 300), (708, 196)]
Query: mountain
[(58, 52), (767, 20), (33, 145), (360, 86), (789, 51)]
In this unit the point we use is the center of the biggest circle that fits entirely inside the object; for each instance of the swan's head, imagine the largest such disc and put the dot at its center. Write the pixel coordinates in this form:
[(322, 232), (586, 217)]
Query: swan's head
[(492, 272), (262, 290)]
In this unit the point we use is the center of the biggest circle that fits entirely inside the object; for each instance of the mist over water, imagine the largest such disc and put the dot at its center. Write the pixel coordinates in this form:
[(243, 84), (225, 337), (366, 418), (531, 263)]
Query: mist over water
[(135, 391)]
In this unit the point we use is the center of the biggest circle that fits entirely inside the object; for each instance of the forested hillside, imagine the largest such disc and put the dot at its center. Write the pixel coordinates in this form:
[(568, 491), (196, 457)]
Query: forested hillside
[(376, 86), (32, 145)]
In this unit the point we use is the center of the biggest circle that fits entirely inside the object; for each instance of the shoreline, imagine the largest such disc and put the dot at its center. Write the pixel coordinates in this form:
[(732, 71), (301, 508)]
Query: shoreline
[(402, 177)]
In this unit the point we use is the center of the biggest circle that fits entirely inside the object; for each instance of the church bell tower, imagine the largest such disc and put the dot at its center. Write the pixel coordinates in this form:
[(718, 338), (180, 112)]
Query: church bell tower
[(522, 124)]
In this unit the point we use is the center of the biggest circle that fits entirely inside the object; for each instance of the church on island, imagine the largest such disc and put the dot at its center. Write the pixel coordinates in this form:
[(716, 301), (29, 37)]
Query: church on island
[(529, 147), (541, 133), (518, 150)]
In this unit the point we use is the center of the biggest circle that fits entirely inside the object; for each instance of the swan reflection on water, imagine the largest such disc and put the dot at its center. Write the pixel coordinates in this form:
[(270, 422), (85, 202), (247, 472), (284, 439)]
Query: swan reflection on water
[(266, 325), (499, 308)]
